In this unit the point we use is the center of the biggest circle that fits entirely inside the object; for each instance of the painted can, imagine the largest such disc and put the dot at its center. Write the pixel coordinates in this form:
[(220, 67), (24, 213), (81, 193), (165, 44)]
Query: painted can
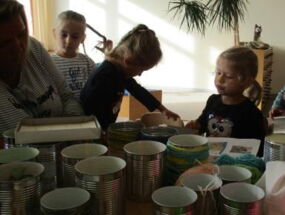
[(157, 133), (241, 198), (183, 152), (121, 133)]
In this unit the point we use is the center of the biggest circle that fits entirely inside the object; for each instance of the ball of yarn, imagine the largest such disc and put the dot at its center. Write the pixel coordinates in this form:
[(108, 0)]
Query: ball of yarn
[(251, 160), (207, 168), (225, 159)]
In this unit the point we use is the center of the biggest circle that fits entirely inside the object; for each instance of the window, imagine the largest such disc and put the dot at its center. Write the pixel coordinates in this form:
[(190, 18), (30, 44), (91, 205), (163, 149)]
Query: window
[(27, 6)]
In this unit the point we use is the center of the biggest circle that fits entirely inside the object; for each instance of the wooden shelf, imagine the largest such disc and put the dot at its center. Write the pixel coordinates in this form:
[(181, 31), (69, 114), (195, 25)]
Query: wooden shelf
[(265, 61)]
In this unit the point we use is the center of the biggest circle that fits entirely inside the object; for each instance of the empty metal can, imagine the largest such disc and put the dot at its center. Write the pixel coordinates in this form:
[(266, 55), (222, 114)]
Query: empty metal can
[(9, 138), (72, 154), (145, 166), (20, 188), (241, 198), (18, 154), (207, 188), (67, 201), (48, 159), (104, 177), (274, 147), (173, 200)]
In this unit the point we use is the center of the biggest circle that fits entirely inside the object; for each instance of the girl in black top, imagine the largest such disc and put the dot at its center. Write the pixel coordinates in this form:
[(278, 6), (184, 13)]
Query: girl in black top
[(230, 113), (138, 51)]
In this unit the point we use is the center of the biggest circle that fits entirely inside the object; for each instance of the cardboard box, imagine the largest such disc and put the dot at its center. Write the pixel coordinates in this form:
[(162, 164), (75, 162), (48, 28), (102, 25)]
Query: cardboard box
[(58, 129), (132, 109)]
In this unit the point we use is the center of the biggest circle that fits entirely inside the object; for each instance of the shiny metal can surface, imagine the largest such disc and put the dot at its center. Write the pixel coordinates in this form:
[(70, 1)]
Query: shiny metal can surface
[(67, 201), (174, 200), (104, 177), (241, 198), (9, 138), (18, 154), (20, 188), (145, 167), (274, 147), (72, 154)]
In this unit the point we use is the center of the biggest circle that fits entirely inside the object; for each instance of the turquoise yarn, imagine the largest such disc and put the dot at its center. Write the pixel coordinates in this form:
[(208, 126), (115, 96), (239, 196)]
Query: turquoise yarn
[(254, 164), (251, 160), (246, 159), (225, 159)]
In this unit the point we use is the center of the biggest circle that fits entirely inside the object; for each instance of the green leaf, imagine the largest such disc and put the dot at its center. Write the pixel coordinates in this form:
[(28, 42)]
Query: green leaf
[(227, 13), (197, 15), (193, 14)]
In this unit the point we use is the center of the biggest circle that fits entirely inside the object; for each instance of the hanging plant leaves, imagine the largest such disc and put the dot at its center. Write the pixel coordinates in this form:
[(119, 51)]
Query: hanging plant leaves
[(193, 14), (227, 13), (197, 15)]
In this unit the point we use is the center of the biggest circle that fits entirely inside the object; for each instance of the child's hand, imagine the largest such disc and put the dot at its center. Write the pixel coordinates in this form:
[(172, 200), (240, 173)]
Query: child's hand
[(276, 112), (170, 114), (107, 46), (193, 124)]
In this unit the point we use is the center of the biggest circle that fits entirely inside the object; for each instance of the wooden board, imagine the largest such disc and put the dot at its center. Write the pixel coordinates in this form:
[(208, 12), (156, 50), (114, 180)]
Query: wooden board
[(133, 109)]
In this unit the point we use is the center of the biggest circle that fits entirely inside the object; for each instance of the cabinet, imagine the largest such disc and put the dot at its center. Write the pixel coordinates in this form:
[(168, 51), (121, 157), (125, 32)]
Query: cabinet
[(265, 61)]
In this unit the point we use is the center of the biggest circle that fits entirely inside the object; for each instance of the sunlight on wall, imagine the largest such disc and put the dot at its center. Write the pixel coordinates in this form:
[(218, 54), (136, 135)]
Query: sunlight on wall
[(214, 53), (183, 65), (164, 30), (176, 70), (96, 17)]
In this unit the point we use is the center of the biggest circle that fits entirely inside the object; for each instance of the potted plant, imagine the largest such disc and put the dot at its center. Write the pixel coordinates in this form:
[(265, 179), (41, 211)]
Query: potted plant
[(199, 14)]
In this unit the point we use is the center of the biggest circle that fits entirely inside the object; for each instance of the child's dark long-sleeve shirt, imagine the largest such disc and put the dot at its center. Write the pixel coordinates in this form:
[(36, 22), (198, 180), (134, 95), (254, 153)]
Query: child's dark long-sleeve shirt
[(102, 95), (243, 120)]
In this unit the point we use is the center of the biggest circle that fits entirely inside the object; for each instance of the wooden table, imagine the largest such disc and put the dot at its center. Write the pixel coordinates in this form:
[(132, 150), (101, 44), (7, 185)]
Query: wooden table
[(138, 208)]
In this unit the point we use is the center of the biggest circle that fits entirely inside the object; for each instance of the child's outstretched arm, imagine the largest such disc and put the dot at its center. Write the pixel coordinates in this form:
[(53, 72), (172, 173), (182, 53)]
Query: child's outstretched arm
[(276, 112), (193, 124), (167, 112)]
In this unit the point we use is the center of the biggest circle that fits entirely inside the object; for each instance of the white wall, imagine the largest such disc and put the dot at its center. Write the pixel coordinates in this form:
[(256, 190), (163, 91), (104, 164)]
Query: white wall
[(189, 58)]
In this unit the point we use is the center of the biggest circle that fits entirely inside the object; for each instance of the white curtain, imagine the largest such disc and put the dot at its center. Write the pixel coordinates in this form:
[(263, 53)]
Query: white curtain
[(43, 18)]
